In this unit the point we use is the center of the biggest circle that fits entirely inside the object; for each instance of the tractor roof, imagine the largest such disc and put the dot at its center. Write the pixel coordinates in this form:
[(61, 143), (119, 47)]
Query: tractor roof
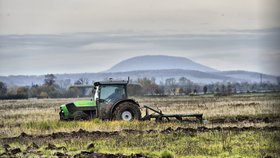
[(111, 82)]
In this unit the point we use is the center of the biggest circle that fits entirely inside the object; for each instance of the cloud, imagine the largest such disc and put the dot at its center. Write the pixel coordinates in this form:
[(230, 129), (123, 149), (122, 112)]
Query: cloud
[(114, 46), (192, 16), (38, 36), (95, 52)]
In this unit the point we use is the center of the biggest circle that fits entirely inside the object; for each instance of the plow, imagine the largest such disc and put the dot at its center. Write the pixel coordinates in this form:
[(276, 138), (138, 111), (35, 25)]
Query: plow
[(159, 116), (110, 102)]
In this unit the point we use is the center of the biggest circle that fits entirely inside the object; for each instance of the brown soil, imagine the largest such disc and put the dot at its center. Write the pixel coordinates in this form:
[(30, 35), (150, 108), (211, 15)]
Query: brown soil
[(33, 147), (82, 154), (220, 129), (238, 119), (60, 135), (97, 134), (85, 154)]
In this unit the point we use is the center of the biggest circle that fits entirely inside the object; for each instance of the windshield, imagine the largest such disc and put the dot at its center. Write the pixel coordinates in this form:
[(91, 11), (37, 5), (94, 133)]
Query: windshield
[(112, 93)]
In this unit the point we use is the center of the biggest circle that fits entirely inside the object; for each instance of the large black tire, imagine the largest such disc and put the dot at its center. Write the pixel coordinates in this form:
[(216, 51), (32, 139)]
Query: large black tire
[(80, 116), (127, 111)]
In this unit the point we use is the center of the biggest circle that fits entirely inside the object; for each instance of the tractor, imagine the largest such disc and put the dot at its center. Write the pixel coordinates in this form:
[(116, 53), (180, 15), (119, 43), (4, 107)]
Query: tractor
[(110, 102)]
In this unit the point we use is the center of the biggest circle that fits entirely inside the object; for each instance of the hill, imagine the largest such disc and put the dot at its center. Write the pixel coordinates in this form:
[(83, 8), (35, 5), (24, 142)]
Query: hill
[(158, 62), (159, 75), (158, 67)]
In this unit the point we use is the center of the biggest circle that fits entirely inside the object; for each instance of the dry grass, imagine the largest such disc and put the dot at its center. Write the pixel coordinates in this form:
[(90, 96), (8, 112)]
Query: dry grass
[(36, 116), (212, 106), (40, 117)]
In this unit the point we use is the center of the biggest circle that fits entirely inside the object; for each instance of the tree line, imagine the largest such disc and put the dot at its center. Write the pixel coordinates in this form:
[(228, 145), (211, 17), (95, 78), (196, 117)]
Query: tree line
[(50, 89), (184, 86), (141, 86)]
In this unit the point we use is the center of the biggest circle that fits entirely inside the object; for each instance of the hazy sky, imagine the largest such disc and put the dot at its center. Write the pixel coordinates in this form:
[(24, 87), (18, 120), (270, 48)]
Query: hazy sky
[(64, 36)]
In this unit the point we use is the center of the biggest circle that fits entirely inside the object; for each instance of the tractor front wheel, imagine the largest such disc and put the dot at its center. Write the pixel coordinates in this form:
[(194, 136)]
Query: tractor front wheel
[(127, 111), (80, 116)]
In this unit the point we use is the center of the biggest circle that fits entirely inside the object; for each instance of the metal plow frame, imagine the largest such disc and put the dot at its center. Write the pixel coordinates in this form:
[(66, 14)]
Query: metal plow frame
[(159, 116)]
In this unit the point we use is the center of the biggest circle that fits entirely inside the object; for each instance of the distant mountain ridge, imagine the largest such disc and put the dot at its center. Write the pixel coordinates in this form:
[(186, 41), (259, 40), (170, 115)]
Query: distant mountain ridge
[(159, 67), (159, 75), (158, 62)]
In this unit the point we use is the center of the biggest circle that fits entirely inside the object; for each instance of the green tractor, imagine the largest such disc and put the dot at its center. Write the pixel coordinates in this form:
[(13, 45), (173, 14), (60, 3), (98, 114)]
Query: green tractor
[(111, 102)]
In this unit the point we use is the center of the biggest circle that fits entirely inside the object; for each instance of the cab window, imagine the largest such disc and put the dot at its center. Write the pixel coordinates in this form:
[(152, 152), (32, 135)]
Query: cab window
[(112, 93)]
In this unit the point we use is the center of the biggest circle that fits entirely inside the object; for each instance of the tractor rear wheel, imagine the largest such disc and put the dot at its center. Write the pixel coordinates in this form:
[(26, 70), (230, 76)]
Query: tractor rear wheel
[(80, 116), (127, 111)]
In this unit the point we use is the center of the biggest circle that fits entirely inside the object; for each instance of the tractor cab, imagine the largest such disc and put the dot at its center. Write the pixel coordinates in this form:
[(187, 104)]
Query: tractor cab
[(110, 91), (107, 94), (110, 102)]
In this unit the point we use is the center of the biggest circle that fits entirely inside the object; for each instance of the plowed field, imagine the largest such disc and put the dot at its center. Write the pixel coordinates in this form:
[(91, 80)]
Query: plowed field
[(236, 126)]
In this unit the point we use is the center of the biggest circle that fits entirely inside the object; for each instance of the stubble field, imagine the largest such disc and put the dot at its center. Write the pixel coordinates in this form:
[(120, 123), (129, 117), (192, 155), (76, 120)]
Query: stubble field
[(244, 125)]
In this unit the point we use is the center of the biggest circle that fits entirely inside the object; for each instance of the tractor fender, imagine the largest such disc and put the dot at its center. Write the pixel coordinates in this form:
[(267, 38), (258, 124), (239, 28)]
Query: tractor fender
[(121, 101)]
